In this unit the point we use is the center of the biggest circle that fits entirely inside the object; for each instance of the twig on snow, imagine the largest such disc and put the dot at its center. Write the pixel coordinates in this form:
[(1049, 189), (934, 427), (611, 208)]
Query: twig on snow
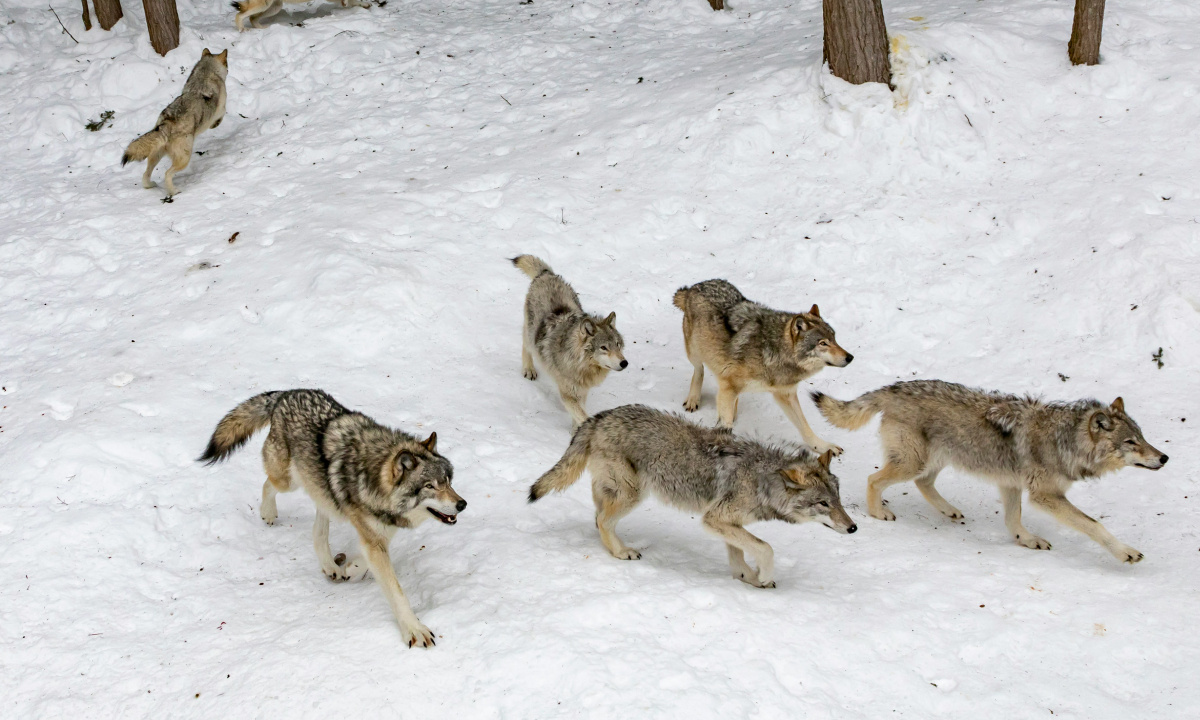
[(60, 24)]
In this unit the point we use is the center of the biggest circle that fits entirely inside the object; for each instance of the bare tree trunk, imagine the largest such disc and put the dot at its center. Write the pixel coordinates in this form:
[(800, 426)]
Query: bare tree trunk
[(1084, 48), (717, 4), (108, 12), (162, 20), (87, 17), (856, 44)]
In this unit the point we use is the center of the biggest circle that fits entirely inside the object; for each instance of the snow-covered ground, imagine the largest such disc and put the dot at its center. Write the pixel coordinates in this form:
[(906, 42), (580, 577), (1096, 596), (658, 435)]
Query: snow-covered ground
[(1002, 219)]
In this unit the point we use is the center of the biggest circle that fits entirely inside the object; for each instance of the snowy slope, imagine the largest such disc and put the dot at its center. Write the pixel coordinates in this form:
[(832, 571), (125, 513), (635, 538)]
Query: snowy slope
[(1003, 220)]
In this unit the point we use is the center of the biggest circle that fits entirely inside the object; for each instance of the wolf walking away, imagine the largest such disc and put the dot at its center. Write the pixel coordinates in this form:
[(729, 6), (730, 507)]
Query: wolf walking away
[(200, 107), (258, 10), (750, 347), (354, 469), (576, 348), (732, 481), (1020, 444)]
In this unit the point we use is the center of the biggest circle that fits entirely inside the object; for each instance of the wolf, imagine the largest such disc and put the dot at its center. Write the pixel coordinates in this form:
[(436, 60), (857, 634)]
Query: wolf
[(576, 348), (730, 480), (200, 107), (752, 347), (258, 10), (1021, 444), (374, 477)]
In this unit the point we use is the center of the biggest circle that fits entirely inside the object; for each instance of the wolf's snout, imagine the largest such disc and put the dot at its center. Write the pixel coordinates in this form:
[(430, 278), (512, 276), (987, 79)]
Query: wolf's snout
[(849, 359), (624, 364), (851, 529), (1162, 460), (462, 505)]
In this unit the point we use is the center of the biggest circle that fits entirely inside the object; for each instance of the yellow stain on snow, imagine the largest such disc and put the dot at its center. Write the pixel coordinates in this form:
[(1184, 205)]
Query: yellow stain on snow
[(917, 18)]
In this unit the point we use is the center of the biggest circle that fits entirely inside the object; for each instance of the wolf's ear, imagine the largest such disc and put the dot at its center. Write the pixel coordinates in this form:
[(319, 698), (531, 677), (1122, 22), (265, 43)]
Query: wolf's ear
[(798, 327), (1118, 405), (1100, 421), (826, 458), (224, 57), (792, 478), (430, 442), (406, 461), (205, 54), (612, 317), (815, 311), (589, 327)]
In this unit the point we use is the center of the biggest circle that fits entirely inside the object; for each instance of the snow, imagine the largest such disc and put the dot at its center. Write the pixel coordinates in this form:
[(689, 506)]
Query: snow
[(1001, 219)]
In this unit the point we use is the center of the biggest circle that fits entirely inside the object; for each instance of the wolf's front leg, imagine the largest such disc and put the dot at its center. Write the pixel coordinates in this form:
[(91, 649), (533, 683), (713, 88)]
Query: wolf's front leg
[(727, 402), (1012, 520), (737, 564), (321, 546), (1071, 516), (791, 407), (574, 405), (740, 538), (692, 403), (375, 548), (527, 367)]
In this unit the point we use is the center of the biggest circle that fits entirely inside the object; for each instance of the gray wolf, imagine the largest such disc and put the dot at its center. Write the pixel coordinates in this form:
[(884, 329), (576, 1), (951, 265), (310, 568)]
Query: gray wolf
[(750, 347), (354, 469), (729, 480), (1021, 444), (258, 10), (200, 107), (576, 348)]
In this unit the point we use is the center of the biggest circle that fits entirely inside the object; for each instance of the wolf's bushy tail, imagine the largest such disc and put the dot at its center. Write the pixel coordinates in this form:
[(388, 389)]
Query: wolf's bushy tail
[(144, 146), (236, 428), (569, 467), (847, 414), (531, 265), (680, 299), (239, 6)]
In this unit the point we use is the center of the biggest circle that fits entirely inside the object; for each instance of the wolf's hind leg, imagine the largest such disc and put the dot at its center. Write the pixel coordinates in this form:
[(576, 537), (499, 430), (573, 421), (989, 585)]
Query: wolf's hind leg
[(692, 403), (527, 367), (181, 154), (321, 545), (727, 403), (892, 472), (574, 406), (925, 485), (738, 537), (272, 9), (151, 163), (737, 564), (1012, 520), (616, 492), (1071, 516)]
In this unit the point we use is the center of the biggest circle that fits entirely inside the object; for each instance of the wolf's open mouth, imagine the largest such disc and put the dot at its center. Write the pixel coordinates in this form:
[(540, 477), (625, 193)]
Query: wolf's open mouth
[(448, 519)]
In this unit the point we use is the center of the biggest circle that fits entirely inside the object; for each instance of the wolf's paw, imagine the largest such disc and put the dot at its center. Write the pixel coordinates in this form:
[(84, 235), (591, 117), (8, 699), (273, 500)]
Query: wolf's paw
[(883, 514), (1033, 542), (149, 184), (530, 374), (952, 512), (1124, 553), (269, 517), (821, 447), (627, 554), (691, 405), (751, 577), (417, 635), (353, 570)]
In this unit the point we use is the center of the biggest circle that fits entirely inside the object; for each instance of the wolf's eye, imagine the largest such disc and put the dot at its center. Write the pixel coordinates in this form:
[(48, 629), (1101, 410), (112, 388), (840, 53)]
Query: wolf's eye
[(823, 504), (428, 486), (824, 343), (603, 348), (1131, 441)]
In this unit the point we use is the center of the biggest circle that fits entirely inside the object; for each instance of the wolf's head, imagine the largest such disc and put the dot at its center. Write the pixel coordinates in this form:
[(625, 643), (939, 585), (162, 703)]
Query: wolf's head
[(813, 339), (418, 479), (220, 61), (812, 493), (1117, 440), (604, 344)]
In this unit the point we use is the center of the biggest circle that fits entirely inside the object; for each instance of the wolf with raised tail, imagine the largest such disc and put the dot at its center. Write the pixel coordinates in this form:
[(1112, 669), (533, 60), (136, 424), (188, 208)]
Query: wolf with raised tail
[(730, 481), (374, 477), (199, 108), (259, 10), (577, 349), (750, 347), (1020, 444)]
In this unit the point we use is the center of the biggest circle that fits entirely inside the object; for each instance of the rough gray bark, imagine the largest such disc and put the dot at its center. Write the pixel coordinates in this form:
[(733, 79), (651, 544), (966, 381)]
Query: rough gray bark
[(108, 12), (1084, 48), (856, 43), (162, 20)]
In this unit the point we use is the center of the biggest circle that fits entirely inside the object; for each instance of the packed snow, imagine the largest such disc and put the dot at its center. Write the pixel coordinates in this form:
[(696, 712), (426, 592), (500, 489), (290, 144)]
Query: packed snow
[(1001, 219)]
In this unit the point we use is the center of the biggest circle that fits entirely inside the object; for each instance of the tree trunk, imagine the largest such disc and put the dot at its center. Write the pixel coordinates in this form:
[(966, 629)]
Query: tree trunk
[(162, 20), (717, 4), (108, 12), (1084, 48), (856, 44), (87, 17)]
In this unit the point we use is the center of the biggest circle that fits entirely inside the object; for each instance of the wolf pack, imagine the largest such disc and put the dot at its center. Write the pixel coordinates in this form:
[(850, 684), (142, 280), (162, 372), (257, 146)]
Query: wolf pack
[(381, 479)]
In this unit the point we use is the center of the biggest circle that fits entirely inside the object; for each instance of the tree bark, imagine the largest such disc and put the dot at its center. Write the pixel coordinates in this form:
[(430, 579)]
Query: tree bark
[(108, 12), (162, 20), (856, 43), (1084, 48), (717, 4), (87, 17)]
